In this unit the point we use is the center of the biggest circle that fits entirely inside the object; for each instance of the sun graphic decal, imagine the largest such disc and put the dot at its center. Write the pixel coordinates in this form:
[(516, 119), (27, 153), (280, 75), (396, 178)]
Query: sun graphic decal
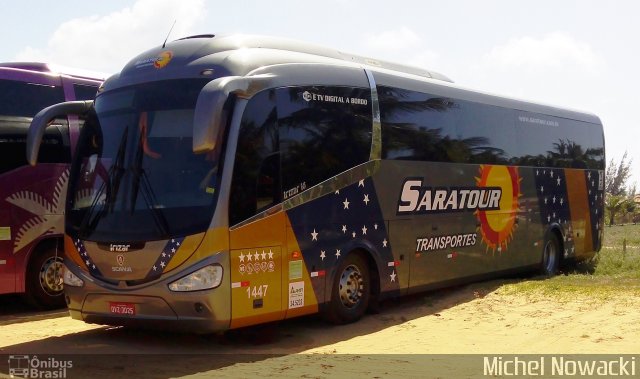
[(497, 226)]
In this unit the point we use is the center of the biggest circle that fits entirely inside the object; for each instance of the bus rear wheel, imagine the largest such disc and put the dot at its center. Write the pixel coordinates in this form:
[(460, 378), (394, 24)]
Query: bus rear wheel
[(351, 290), (550, 256), (44, 280)]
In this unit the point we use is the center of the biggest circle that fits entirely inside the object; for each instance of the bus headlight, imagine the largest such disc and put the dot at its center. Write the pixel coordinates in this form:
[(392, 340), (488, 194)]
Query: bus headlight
[(206, 278), (70, 279)]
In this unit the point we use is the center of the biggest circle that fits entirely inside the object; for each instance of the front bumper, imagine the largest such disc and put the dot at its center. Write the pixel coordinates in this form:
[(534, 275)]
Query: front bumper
[(156, 307)]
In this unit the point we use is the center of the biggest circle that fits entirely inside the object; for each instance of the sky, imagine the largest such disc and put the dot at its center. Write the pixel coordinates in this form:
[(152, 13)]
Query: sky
[(582, 54)]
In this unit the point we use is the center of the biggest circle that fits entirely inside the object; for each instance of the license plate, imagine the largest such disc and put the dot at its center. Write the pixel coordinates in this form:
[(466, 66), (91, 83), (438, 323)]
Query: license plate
[(122, 308)]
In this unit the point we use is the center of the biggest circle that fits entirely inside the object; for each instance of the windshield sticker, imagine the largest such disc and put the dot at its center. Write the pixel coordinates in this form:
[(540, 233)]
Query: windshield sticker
[(295, 269), (296, 295), (5, 233), (310, 96)]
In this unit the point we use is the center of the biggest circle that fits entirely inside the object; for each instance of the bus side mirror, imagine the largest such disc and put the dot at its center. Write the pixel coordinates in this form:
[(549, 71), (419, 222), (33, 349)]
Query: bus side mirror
[(42, 120), (210, 118)]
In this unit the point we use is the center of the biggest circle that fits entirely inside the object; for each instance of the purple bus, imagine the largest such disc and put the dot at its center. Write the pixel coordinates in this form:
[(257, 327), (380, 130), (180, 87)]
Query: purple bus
[(32, 199)]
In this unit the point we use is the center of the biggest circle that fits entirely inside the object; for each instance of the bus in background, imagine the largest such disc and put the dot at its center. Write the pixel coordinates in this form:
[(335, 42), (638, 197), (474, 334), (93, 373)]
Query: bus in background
[(221, 182), (32, 198)]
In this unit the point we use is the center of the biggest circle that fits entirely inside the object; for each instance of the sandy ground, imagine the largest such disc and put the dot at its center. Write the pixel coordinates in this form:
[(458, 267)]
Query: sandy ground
[(404, 340)]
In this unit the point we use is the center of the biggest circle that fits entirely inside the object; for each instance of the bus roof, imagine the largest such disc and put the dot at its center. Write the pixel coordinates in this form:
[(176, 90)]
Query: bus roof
[(242, 55), (54, 69)]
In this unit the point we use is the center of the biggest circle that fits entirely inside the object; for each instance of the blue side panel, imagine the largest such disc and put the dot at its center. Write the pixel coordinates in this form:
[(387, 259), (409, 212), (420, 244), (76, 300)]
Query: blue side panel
[(329, 227)]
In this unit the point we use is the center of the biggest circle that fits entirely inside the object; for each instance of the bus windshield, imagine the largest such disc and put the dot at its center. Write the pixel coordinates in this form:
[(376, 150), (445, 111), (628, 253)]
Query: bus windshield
[(135, 176)]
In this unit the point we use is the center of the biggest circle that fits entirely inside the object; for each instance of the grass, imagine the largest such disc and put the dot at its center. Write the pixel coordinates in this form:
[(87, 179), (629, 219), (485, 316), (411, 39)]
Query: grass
[(614, 273)]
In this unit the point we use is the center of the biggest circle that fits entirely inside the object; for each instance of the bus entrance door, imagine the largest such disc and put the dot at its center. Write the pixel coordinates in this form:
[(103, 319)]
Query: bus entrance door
[(256, 261)]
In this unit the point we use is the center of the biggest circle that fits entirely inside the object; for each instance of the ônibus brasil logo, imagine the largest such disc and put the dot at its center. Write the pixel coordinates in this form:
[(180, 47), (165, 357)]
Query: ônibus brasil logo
[(24, 366)]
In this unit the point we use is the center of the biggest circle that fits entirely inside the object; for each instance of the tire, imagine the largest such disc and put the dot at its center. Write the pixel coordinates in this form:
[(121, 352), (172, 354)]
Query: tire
[(351, 290), (44, 280), (550, 256)]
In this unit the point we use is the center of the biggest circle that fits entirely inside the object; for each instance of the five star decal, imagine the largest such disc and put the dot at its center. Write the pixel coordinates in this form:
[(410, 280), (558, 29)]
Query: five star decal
[(256, 261)]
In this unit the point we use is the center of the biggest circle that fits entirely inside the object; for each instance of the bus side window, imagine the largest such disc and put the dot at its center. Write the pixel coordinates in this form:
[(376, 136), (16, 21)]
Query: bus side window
[(12, 145), (323, 132), (417, 126), (13, 139), (256, 173), (25, 99), (55, 146), (85, 92)]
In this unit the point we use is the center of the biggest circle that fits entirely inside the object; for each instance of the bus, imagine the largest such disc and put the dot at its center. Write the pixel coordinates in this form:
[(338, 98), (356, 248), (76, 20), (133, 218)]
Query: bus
[(32, 199), (226, 181)]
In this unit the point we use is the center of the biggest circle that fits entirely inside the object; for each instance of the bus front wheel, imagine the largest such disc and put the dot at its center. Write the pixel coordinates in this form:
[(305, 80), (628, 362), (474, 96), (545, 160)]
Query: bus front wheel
[(351, 290), (44, 280)]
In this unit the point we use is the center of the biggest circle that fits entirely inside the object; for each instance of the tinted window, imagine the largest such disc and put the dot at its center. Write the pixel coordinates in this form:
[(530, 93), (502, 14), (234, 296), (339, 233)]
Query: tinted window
[(419, 126), (256, 174), (26, 99), (556, 142), (485, 134), (13, 140), (85, 92), (323, 132), (424, 127), (55, 146), (416, 126), (136, 176)]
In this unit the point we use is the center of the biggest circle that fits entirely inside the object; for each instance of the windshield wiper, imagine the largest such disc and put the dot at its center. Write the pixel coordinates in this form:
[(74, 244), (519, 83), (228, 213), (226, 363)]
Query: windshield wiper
[(112, 185), (140, 176)]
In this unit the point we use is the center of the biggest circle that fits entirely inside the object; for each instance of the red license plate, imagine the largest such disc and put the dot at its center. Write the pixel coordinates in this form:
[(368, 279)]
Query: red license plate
[(122, 308)]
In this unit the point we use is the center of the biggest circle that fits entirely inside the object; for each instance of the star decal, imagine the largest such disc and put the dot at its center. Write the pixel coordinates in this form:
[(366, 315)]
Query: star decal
[(322, 255), (392, 276), (314, 235), (346, 203)]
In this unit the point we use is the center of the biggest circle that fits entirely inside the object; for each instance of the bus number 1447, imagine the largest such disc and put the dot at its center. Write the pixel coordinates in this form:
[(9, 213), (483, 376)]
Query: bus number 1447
[(257, 291)]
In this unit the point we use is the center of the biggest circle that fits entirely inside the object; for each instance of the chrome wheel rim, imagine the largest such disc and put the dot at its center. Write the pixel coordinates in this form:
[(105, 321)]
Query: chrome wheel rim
[(351, 286), (50, 276)]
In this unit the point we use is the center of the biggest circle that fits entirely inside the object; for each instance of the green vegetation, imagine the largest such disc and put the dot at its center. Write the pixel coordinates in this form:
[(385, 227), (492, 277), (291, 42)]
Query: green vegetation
[(615, 272)]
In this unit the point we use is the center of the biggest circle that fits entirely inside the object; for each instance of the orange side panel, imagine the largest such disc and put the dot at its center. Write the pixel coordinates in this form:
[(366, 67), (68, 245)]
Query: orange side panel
[(265, 232), (256, 271), (579, 206)]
